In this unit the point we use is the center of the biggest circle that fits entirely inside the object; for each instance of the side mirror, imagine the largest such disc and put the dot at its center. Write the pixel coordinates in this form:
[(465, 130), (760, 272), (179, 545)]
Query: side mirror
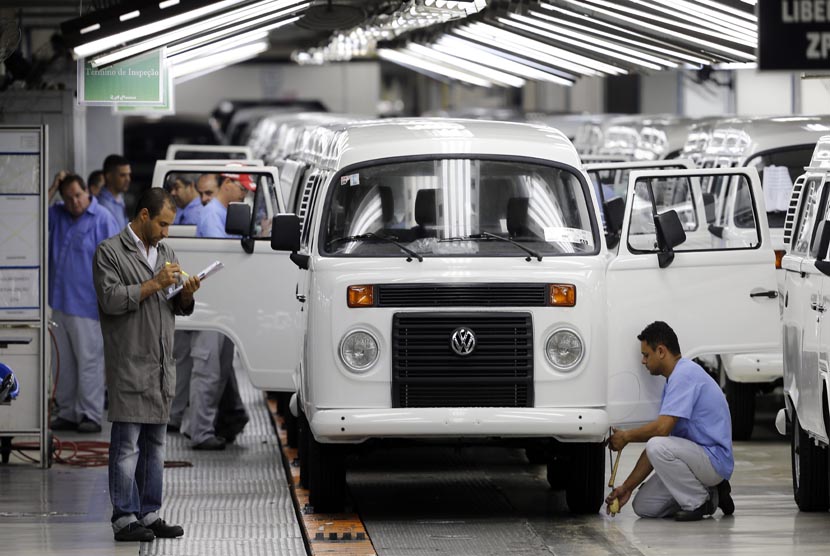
[(238, 221), (614, 211), (285, 233), (670, 234), (709, 207)]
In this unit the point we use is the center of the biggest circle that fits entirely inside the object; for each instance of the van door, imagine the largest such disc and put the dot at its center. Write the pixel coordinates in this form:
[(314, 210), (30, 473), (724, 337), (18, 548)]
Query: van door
[(719, 296), (252, 299)]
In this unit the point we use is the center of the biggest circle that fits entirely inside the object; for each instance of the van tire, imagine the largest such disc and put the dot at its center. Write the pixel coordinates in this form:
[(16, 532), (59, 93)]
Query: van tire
[(809, 465), (326, 476), (741, 399), (585, 489)]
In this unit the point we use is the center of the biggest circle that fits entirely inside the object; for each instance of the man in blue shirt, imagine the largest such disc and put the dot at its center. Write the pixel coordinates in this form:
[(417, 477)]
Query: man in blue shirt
[(117, 175), (688, 446), (216, 413), (183, 190), (76, 227)]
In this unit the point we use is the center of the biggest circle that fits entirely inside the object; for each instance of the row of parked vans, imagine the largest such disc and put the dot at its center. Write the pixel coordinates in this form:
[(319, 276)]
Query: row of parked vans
[(443, 279)]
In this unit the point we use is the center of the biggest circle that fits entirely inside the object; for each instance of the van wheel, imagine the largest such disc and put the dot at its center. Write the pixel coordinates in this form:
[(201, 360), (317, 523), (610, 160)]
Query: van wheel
[(809, 464), (326, 476), (585, 489), (741, 399)]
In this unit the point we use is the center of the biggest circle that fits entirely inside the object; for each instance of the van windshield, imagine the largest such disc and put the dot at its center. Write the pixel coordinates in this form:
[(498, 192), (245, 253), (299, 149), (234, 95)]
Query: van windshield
[(449, 207)]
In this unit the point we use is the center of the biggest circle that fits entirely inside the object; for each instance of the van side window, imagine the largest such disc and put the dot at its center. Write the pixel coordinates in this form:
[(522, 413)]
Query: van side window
[(654, 196), (260, 215), (805, 223)]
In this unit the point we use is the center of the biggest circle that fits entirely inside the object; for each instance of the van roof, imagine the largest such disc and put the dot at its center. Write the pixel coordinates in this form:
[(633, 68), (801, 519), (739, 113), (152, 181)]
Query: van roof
[(356, 142), (742, 137)]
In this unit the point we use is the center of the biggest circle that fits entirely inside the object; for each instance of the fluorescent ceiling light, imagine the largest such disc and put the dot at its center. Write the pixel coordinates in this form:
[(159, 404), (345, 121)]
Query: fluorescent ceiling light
[(489, 57), (218, 46), (615, 33), (413, 62), (718, 23), (589, 43), (493, 75), (177, 48), (100, 45), (558, 57), (662, 31), (218, 60), (265, 10)]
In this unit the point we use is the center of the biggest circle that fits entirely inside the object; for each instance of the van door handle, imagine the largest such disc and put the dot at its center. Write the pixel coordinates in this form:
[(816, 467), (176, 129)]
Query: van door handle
[(817, 307), (300, 298), (772, 294)]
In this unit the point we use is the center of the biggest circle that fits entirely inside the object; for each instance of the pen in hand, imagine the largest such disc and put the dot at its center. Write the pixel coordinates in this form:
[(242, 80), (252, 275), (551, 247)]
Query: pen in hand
[(185, 274)]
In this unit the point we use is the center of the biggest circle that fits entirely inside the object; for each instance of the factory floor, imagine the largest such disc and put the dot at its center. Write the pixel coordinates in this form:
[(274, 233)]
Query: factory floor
[(417, 500)]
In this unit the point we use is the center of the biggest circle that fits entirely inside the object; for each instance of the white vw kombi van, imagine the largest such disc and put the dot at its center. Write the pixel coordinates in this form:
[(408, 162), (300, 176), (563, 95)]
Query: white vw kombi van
[(455, 283)]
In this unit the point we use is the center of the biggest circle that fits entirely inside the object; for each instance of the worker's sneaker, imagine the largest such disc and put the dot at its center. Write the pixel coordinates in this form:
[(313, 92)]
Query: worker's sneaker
[(707, 508), (61, 424), (212, 443), (725, 502), (230, 430), (134, 532), (164, 531), (88, 426)]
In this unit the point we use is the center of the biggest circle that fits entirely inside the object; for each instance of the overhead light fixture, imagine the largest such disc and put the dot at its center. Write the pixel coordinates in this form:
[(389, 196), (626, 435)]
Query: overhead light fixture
[(214, 47), (100, 45), (429, 67), (503, 61), (217, 61), (601, 7), (621, 34), (258, 14), (542, 51), (235, 30), (587, 42), (495, 76)]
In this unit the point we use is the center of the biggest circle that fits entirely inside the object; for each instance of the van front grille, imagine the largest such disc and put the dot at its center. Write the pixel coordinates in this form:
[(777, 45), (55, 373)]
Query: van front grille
[(462, 295), (427, 372)]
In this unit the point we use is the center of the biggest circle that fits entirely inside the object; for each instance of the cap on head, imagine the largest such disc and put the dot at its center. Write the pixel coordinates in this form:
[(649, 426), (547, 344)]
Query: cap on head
[(243, 179)]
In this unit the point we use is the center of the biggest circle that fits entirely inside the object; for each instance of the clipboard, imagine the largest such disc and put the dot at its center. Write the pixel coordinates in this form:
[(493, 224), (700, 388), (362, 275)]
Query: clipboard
[(209, 270)]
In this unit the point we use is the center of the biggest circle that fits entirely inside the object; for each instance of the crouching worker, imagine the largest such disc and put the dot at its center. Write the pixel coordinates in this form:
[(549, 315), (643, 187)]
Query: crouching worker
[(688, 446)]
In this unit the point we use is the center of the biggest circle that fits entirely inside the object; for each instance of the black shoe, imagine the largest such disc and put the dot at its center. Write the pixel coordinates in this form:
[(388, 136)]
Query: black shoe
[(230, 430), (61, 424), (134, 532), (212, 443), (707, 508), (164, 531), (88, 426), (725, 502)]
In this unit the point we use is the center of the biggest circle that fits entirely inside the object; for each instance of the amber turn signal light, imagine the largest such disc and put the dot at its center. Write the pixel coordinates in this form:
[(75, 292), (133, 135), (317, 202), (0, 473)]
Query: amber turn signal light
[(361, 296), (562, 295), (779, 256)]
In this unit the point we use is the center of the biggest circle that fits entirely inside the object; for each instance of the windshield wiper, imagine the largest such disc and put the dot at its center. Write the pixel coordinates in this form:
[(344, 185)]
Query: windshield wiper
[(372, 235), (527, 250)]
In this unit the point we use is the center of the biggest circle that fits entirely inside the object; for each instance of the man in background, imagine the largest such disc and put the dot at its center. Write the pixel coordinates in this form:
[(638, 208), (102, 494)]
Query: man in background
[(183, 190), (76, 226), (206, 186), (117, 174), (95, 182)]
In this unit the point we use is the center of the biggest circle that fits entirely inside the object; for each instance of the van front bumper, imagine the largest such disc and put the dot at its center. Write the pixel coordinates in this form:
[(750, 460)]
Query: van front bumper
[(358, 425)]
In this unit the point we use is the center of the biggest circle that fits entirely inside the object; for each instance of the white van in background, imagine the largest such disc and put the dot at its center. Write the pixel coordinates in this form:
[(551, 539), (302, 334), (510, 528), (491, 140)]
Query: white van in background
[(778, 148), (806, 417), (208, 152)]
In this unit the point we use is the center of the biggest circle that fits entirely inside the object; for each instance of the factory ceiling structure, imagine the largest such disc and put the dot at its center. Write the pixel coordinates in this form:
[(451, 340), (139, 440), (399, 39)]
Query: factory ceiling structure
[(476, 42)]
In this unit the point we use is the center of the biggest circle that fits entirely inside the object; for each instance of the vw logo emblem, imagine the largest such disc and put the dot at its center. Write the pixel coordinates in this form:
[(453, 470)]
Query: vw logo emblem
[(463, 341)]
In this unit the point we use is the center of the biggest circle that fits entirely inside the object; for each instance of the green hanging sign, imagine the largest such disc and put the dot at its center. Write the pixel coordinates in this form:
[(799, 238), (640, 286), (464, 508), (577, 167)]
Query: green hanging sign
[(137, 80)]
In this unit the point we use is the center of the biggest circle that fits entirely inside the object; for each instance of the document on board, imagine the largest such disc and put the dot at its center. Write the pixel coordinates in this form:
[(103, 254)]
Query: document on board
[(210, 269)]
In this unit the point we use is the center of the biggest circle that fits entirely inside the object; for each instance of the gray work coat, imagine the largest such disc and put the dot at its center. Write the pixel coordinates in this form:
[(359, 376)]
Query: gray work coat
[(138, 335)]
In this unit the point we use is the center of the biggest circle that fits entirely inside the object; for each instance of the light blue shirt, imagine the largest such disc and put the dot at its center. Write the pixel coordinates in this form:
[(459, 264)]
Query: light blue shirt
[(212, 222), (697, 401), (190, 214), (72, 243), (115, 205)]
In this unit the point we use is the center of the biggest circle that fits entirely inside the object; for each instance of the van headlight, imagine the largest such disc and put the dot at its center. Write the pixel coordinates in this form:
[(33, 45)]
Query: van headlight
[(564, 349), (359, 351)]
